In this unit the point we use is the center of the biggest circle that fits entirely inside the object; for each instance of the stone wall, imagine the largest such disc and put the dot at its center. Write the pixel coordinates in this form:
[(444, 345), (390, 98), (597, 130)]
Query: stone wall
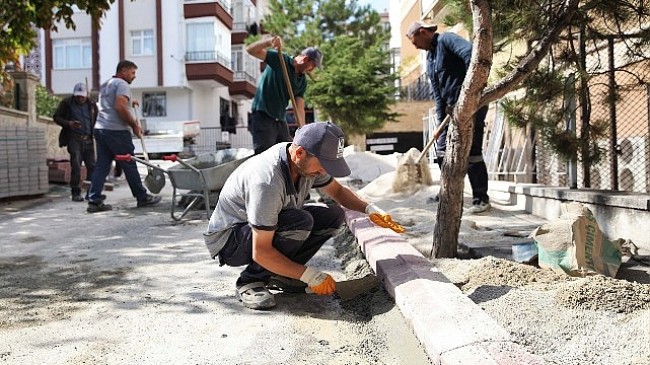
[(52, 130)]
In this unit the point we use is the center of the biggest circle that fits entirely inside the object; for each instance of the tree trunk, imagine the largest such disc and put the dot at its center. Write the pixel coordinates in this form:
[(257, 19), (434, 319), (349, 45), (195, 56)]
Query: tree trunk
[(459, 135), (450, 208)]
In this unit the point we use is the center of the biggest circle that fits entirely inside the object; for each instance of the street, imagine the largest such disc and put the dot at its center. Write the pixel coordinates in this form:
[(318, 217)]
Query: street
[(133, 286)]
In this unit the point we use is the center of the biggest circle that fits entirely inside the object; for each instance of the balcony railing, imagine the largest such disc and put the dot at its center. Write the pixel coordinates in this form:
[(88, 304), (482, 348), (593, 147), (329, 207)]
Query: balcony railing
[(239, 26), (243, 76), (419, 89), (207, 56)]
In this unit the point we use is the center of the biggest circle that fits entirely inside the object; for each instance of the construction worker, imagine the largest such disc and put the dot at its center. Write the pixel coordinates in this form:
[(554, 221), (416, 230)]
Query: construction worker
[(448, 57), (115, 122), (268, 124), (77, 115), (262, 221)]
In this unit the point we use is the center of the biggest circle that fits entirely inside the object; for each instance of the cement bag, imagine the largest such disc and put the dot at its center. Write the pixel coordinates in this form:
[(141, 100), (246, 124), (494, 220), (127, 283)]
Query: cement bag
[(574, 244)]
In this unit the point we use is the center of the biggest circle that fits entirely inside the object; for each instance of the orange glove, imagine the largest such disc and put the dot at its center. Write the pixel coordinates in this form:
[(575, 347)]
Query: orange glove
[(383, 219), (318, 282)]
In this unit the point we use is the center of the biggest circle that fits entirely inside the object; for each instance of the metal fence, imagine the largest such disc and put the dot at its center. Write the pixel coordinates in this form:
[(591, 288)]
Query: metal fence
[(620, 97), (212, 139)]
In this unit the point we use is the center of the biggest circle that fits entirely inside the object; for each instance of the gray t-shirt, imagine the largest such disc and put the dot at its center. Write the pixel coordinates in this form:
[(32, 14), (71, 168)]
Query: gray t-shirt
[(108, 117), (256, 192)]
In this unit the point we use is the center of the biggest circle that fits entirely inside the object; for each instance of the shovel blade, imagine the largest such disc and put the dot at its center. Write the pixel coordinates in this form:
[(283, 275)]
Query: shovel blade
[(350, 289), (154, 181)]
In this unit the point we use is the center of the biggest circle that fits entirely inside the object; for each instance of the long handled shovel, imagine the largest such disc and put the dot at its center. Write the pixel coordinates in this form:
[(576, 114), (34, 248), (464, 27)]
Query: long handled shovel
[(289, 88), (155, 179)]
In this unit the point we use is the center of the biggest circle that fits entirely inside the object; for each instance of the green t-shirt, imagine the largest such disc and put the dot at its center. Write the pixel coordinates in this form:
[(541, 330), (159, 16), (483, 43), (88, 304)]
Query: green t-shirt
[(272, 96)]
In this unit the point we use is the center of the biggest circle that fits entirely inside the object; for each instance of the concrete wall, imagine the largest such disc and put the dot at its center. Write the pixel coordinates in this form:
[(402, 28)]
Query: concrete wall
[(619, 214)]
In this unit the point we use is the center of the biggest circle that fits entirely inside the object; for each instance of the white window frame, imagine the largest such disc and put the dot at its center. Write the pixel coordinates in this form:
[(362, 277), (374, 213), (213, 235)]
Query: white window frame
[(143, 36), (61, 49)]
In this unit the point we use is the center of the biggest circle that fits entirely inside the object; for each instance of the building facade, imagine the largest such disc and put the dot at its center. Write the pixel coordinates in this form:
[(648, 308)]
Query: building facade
[(190, 55)]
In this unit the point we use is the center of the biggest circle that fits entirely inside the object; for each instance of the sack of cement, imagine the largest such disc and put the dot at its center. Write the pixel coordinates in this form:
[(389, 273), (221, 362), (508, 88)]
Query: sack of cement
[(410, 173), (574, 244)]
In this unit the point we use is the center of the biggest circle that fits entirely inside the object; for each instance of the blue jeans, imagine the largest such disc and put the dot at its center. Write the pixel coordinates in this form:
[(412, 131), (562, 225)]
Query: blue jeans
[(300, 234), (267, 131), (110, 143)]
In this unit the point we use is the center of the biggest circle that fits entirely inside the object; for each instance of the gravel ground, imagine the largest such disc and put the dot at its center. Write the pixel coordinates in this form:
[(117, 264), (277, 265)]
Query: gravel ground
[(565, 320), (592, 320)]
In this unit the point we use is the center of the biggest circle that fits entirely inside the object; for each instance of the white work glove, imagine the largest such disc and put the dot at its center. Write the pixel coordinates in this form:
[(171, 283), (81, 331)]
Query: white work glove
[(318, 282), (373, 209)]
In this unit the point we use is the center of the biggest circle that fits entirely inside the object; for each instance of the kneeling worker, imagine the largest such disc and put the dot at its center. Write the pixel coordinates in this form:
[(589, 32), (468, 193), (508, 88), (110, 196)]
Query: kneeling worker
[(262, 221)]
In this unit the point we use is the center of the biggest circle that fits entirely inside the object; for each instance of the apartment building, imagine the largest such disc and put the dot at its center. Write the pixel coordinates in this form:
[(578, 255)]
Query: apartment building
[(190, 55)]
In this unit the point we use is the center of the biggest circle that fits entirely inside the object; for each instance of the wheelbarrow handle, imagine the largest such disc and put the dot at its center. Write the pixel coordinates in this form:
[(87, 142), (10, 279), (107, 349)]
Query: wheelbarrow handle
[(172, 158), (126, 157)]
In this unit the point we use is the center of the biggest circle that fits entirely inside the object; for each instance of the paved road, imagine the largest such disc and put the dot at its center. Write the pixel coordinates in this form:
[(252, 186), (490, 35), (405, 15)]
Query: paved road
[(133, 286)]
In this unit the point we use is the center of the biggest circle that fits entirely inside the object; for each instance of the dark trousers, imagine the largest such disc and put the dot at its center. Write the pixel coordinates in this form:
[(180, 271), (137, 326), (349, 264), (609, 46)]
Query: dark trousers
[(109, 144), (81, 150), (476, 168), (267, 131), (300, 234)]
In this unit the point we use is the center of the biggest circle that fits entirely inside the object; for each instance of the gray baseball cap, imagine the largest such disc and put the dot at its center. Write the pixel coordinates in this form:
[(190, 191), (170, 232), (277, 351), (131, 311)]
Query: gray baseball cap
[(417, 25), (325, 141)]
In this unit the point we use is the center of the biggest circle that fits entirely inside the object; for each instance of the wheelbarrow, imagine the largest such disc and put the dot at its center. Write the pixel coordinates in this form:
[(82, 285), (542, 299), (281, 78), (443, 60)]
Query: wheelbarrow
[(198, 176)]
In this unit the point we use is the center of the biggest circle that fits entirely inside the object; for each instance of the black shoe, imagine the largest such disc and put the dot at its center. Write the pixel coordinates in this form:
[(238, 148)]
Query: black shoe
[(149, 201), (98, 207), (77, 198)]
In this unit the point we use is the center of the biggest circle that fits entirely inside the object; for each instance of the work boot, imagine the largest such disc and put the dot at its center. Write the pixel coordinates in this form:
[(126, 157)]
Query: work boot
[(77, 198), (98, 207), (148, 201)]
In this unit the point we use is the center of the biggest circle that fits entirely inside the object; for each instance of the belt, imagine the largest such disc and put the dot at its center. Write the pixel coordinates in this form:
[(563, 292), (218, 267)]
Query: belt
[(83, 137)]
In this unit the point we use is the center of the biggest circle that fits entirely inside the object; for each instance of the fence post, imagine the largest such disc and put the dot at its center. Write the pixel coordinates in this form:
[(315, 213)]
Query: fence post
[(570, 115), (26, 93), (613, 167)]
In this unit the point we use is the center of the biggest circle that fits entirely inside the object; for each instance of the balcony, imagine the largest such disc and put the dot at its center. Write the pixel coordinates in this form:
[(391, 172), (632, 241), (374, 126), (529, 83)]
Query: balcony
[(208, 65), (243, 86), (219, 9)]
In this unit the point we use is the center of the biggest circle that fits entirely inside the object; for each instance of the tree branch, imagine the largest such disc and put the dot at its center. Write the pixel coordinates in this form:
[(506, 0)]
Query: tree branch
[(532, 59)]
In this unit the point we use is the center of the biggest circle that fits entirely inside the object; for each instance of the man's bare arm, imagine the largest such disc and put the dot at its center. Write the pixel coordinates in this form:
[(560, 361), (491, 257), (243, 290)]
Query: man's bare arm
[(258, 49)]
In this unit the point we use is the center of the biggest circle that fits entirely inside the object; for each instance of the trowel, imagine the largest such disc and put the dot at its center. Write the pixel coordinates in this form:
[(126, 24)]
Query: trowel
[(345, 290), (350, 289)]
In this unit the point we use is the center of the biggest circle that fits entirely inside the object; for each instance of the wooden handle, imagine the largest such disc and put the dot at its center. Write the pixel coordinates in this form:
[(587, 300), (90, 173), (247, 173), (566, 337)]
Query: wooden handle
[(432, 140), (289, 88), (144, 149)]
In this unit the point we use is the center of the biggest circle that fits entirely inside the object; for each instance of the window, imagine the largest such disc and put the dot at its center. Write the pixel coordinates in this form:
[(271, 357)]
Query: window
[(237, 59), (72, 53), (154, 104), (201, 42), (142, 42)]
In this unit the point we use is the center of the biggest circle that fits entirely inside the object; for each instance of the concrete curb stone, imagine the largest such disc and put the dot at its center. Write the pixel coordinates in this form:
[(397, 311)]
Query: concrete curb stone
[(451, 328)]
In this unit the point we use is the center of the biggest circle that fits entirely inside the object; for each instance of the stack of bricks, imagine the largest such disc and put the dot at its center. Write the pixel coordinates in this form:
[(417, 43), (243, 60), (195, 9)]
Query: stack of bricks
[(59, 171), (23, 170)]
